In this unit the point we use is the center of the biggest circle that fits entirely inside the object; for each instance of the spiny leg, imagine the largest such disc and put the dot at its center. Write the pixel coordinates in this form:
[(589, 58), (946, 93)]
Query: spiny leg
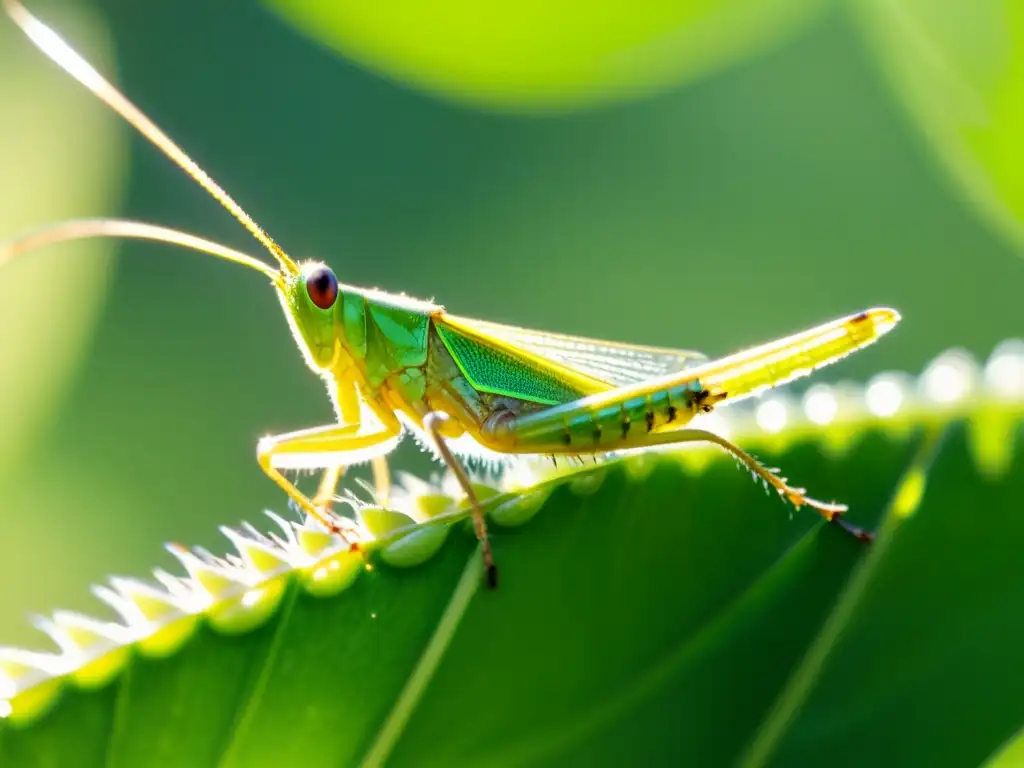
[(795, 496), (329, 447), (576, 428), (432, 422)]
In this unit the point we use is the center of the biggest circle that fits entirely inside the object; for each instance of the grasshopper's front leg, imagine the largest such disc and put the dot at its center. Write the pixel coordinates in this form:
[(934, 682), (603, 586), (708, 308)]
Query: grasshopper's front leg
[(330, 447)]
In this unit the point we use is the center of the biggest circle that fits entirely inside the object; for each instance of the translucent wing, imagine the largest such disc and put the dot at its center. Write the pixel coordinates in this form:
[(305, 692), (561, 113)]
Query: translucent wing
[(613, 362)]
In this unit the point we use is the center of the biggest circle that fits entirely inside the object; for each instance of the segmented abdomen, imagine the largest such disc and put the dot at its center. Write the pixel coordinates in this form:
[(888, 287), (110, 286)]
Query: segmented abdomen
[(601, 423)]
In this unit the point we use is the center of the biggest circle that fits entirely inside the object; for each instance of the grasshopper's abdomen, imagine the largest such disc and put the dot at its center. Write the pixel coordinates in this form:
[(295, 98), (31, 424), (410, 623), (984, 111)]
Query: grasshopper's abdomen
[(606, 421)]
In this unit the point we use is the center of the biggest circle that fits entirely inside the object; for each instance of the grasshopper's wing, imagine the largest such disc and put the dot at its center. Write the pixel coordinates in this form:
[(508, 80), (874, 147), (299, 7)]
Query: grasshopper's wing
[(613, 362)]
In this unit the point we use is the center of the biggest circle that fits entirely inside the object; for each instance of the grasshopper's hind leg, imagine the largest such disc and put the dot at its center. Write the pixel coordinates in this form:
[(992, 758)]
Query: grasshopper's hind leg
[(627, 423), (798, 497), (433, 423)]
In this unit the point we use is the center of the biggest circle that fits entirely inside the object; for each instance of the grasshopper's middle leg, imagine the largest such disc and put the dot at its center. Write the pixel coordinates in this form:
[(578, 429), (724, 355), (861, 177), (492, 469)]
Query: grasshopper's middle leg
[(325, 447), (433, 423)]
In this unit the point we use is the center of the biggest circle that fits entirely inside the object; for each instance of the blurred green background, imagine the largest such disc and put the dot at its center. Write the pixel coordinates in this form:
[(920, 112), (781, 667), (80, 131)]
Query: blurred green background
[(770, 193)]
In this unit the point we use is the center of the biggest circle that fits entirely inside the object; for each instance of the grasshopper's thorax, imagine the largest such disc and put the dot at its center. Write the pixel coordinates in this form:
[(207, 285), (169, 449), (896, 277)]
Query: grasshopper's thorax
[(386, 335)]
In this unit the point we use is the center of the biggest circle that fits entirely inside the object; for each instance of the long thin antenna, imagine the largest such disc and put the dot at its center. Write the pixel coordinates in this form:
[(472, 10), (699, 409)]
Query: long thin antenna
[(50, 43), (81, 229)]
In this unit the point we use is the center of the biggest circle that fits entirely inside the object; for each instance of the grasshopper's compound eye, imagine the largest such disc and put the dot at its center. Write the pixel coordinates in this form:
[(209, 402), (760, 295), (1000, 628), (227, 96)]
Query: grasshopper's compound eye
[(322, 287)]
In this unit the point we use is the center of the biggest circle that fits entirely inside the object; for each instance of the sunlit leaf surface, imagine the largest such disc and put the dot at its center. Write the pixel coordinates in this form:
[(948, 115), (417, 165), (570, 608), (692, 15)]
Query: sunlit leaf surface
[(538, 55)]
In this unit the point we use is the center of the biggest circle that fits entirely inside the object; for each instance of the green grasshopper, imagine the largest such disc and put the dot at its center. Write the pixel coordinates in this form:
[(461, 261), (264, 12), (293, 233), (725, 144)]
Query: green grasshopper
[(467, 386)]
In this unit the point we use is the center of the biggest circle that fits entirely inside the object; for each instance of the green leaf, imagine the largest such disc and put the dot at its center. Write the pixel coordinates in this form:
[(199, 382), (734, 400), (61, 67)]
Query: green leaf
[(656, 610), (959, 69), (535, 55)]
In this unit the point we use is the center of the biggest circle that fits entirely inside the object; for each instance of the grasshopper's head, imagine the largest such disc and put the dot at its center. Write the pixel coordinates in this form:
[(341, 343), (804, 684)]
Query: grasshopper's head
[(310, 296)]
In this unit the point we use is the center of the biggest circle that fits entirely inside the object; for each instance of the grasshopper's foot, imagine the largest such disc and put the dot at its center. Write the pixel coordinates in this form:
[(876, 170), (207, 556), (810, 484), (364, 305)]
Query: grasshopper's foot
[(336, 525), (480, 528), (323, 510), (492, 576), (858, 533), (832, 512)]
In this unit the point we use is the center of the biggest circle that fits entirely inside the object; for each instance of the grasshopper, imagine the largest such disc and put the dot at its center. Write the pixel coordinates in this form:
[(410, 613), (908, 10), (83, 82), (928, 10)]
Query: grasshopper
[(393, 364)]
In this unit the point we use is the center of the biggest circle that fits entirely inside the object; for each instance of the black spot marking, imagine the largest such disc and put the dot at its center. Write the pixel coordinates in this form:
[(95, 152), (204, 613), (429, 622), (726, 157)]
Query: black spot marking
[(625, 427), (672, 413), (862, 317), (567, 438), (700, 400), (597, 433), (649, 418)]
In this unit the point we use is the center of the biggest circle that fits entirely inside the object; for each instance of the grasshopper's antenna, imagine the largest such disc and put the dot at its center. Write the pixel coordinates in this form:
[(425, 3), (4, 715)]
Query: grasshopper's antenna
[(54, 46), (81, 229)]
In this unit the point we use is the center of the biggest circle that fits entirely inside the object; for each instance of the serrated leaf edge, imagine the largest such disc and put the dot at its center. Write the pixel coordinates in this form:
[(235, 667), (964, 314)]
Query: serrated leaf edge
[(240, 590)]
